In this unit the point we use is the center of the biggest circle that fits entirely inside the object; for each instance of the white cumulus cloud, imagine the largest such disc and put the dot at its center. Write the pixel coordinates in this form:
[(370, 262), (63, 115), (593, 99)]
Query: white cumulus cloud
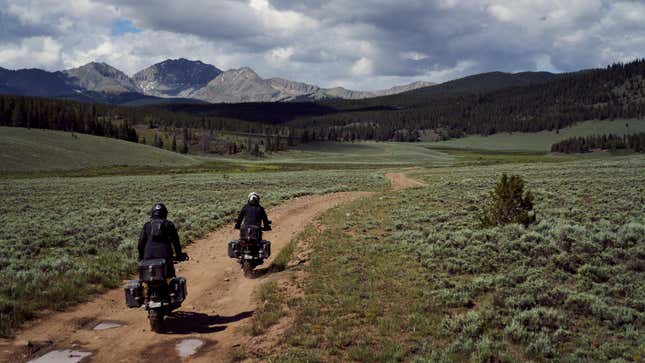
[(368, 44)]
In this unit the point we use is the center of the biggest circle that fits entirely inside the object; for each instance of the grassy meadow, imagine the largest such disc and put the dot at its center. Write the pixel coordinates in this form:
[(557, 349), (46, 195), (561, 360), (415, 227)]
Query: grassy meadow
[(541, 141), (66, 238), (33, 150), (379, 153), (402, 276), (411, 276)]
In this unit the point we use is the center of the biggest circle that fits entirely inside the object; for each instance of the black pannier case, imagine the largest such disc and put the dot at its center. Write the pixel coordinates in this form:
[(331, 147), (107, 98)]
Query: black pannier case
[(133, 294), (234, 249), (265, 249), (177, 287), (152, 270)]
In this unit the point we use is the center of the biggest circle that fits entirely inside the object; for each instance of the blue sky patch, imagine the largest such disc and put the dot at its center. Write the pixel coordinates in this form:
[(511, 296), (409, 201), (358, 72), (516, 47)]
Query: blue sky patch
[(123, 26)]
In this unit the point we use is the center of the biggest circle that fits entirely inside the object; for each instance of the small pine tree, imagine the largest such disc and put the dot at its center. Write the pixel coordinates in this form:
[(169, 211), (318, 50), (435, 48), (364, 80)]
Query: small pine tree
[(184, 148), (174, 142), (508, 203)]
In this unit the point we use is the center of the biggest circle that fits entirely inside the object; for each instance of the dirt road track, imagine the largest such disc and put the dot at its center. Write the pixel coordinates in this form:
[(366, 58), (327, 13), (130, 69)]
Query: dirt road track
[(400, 181), (219, 300)]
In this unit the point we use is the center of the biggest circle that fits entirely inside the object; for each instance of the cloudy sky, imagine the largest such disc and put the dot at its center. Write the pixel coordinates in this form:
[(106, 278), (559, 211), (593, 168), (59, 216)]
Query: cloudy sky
[(359, 44)]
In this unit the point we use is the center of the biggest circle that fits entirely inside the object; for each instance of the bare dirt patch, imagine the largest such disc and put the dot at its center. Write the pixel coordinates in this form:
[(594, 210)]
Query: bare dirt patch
[(400, 181)]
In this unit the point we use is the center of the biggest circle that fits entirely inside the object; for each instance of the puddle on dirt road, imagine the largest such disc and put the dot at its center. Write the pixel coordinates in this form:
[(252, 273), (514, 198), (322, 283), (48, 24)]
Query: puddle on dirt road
[(61, 356), (188, 347), (107, 325)]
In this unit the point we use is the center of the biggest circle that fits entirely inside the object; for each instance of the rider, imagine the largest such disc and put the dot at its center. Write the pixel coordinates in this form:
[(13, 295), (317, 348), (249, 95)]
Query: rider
[(159, 237), (253, 214)]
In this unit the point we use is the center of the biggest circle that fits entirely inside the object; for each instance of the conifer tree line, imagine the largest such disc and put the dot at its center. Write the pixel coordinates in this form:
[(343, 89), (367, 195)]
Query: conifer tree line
[(617, 91), (117, 121), (44, 113), (635, 142)]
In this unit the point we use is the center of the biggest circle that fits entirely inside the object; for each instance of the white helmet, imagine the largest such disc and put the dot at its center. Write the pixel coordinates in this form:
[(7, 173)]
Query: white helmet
[(254, 197)]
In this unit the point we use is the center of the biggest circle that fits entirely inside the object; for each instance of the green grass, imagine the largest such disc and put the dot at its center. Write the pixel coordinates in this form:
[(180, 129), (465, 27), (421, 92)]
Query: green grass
[(28, 153), (358, 294), (413, 277), (380, 153), (31, 150), (542, 141), (66, 238), (489, 157), (270, 307)]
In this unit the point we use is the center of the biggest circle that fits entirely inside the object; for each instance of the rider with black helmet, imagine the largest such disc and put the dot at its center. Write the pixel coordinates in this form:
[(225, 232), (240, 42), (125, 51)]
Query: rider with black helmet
[(159, 237)]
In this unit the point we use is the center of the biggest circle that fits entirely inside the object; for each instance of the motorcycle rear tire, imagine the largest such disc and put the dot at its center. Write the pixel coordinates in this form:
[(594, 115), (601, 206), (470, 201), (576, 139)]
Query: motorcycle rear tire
[(156, 320), (248, 268)]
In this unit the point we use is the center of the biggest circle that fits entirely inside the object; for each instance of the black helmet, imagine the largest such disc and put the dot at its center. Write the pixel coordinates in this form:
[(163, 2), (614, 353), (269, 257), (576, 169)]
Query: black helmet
[(159, 210)]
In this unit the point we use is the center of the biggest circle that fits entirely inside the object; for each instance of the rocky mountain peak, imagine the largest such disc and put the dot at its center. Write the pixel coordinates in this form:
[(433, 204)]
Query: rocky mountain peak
[(101, 77), (175, 77)]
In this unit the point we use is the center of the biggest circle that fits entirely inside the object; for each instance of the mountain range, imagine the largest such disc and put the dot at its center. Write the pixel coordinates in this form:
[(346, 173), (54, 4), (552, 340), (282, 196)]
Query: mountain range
[(173, 80)]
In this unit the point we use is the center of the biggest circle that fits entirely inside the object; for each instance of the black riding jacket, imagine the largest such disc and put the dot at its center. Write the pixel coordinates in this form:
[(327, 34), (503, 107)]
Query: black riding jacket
[(252, 215), (157, 240)]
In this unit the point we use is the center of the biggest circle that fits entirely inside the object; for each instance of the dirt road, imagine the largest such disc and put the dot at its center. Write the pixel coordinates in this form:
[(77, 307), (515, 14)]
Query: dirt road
[(400, 181), (219, 300)]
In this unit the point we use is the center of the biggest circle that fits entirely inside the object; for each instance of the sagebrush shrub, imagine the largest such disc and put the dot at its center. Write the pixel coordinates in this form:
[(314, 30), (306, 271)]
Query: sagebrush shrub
[(508, 203)]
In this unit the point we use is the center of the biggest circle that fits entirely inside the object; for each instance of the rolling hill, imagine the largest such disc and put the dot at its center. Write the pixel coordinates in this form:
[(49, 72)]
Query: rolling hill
[(473, 84), (542, 141), (33, 150)]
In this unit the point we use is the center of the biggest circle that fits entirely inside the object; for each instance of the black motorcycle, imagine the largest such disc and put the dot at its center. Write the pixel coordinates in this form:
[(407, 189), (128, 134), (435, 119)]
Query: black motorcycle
[(157, 293), (250, 250)]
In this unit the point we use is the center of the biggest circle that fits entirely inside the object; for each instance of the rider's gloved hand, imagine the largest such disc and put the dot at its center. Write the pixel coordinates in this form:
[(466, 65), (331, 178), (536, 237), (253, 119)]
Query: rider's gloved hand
[(267, 228), (237, 226), (182, 256)]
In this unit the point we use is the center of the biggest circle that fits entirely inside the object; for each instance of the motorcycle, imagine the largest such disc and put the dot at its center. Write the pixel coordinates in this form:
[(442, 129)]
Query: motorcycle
[(155, 292), (250, 250)]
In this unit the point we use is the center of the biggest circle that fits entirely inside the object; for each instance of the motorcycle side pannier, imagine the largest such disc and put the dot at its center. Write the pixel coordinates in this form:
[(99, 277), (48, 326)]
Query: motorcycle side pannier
[(234, 249), (133, 294), (265, 249), (177, 289), (152, 270)]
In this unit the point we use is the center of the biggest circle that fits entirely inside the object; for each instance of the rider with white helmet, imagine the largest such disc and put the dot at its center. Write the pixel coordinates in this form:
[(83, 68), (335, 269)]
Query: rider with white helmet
[(253, 214)]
